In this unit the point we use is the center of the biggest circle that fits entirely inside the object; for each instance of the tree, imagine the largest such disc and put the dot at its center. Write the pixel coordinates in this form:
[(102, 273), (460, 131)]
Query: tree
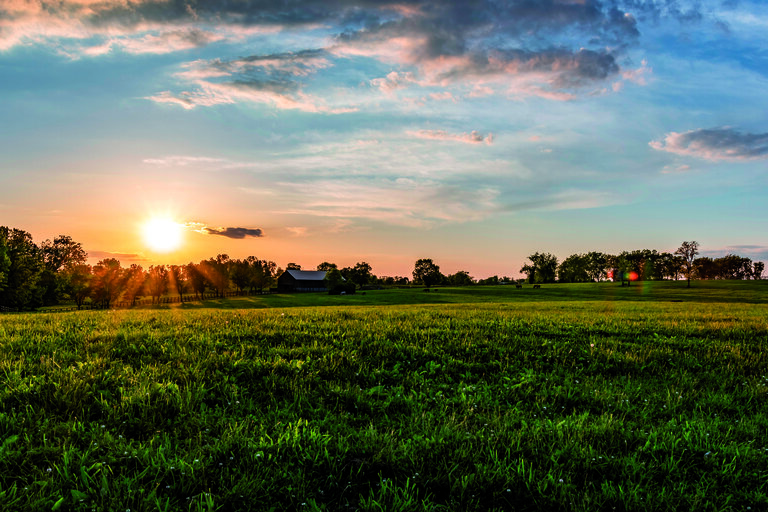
[(134, 280), (77, 279), (57, 254), (361, 274), (241, 274), (5, 262), (108, 281), (462, 278), (326, 266), (293, 266), (177, 280), (196, 279), (157, 281), (24, 265), (427, 272), (688, 250), (542, 269), (336, 284), (596, 265), (574, 269), (216, 272), (757, 270)]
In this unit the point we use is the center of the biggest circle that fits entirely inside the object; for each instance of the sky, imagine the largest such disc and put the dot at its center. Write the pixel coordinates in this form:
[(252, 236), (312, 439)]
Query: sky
[(474, 133)]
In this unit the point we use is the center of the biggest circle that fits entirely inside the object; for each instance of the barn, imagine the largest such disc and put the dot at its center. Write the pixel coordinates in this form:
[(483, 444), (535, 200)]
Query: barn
[(301, 281)]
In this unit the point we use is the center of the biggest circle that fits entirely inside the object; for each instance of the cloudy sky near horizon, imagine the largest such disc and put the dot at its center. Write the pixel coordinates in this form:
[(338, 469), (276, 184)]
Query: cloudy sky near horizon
[(470, 132)]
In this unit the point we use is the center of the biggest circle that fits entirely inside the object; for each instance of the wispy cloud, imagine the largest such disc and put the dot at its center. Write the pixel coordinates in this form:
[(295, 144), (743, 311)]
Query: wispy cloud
[(473, 137), (715, 144)]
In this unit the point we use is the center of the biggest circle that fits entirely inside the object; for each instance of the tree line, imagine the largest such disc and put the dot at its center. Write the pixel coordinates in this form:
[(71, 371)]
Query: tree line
[(33, 275), (56, 271), (639, 265)]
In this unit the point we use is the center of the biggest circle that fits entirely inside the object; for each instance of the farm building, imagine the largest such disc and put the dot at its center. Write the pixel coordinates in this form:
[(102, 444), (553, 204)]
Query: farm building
[(301, 281)]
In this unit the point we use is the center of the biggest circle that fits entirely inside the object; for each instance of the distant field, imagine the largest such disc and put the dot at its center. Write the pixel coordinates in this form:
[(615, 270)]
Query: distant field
[(571, 397), (751, 292)]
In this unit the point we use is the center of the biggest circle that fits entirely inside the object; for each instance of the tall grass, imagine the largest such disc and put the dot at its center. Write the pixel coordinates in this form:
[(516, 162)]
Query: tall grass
[(549, 405)]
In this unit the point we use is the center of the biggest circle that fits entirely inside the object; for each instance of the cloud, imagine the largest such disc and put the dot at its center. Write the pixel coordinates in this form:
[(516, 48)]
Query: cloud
[(96, 256), (403, 202), (473, 137), (715, 144), (554, 49), (273, 79), (235, 233)]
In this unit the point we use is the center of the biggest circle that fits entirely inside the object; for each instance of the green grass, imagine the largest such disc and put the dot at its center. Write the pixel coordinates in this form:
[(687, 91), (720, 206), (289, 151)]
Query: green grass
[(492, 400)]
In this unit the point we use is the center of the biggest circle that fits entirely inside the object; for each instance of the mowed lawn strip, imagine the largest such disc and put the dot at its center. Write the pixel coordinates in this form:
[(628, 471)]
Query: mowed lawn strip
[(549, 404)]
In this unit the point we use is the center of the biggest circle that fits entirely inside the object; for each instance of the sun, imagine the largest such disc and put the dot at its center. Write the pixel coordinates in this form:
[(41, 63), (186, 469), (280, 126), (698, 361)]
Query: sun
[(162, 234)]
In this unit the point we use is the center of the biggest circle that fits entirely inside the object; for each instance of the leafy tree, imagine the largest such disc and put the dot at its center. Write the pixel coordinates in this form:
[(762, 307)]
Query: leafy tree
[(688, 251), (757, 270), (57, 254), (336, 283), (196, 279), (596, 265), (427, 272), (77, 279), (216, 272), (669, 266), (541, 269), (574, 269), (157, 281), (5, 262), (326, 266), (134, 281), (24, 265), (293, 266), (462, 278), (491, 280), (108, 281), (705, 268), (241, 274), (361, 274)]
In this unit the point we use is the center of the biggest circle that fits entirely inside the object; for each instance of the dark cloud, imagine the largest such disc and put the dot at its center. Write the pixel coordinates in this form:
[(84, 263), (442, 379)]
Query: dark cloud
[(237, 233), (715, 144)]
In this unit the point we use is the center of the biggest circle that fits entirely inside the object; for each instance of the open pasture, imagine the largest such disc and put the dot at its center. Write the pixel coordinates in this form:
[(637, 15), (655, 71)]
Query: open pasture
[(584, 403)]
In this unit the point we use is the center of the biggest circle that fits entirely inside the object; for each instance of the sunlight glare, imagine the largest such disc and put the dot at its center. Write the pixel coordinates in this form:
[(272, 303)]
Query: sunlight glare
[(162, 234)]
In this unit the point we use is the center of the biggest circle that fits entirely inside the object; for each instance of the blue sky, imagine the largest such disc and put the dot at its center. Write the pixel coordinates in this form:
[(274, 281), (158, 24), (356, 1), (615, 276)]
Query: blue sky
[(473, 133)]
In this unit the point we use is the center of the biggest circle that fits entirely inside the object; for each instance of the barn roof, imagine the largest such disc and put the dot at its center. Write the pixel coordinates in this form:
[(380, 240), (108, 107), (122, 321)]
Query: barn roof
[(307, 275)]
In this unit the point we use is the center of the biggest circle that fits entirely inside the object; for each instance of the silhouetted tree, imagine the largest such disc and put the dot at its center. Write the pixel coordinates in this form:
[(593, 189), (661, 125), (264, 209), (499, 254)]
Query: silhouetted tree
[(462, 278), (688, 250), (574, 269), (326, 266), (541, 269), (293, 266), (361, 274), (757, 270), (427, 272)]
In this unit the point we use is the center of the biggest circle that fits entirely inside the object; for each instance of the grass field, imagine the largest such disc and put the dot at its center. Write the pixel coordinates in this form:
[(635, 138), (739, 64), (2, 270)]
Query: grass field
[(572, 397)]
